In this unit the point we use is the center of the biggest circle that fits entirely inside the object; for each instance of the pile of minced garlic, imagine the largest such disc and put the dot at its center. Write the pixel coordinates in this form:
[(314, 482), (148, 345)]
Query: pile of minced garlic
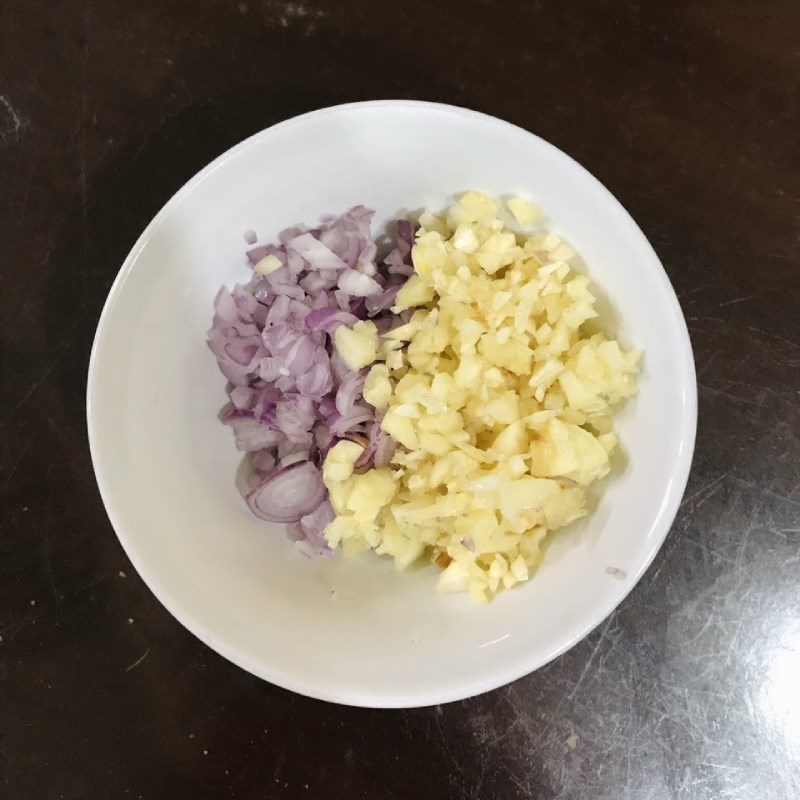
[(499, 402)]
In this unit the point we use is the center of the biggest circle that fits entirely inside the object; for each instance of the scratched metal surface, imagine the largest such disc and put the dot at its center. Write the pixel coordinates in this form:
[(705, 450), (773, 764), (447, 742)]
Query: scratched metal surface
[(688, 112)]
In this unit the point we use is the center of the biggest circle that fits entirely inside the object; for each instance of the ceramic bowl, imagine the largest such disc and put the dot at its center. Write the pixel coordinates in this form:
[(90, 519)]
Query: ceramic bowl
[(355, 631)]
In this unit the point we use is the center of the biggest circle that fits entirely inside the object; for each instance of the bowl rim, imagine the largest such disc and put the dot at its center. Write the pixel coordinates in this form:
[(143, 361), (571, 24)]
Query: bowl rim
[(518, 667)]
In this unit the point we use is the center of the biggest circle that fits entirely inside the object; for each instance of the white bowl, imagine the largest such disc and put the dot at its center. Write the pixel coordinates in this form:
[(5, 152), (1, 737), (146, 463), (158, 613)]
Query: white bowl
[(354, 631)]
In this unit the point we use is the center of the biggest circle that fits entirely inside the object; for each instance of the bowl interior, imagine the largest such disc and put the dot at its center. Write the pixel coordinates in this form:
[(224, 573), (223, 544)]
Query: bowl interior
[(354, 631)]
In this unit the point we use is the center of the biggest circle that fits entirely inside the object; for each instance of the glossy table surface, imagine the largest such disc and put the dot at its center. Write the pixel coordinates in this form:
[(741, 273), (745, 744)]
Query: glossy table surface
[(689, 113)]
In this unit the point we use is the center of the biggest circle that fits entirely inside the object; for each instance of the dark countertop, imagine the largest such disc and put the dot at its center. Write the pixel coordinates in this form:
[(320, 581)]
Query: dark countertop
[(689, 113)]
